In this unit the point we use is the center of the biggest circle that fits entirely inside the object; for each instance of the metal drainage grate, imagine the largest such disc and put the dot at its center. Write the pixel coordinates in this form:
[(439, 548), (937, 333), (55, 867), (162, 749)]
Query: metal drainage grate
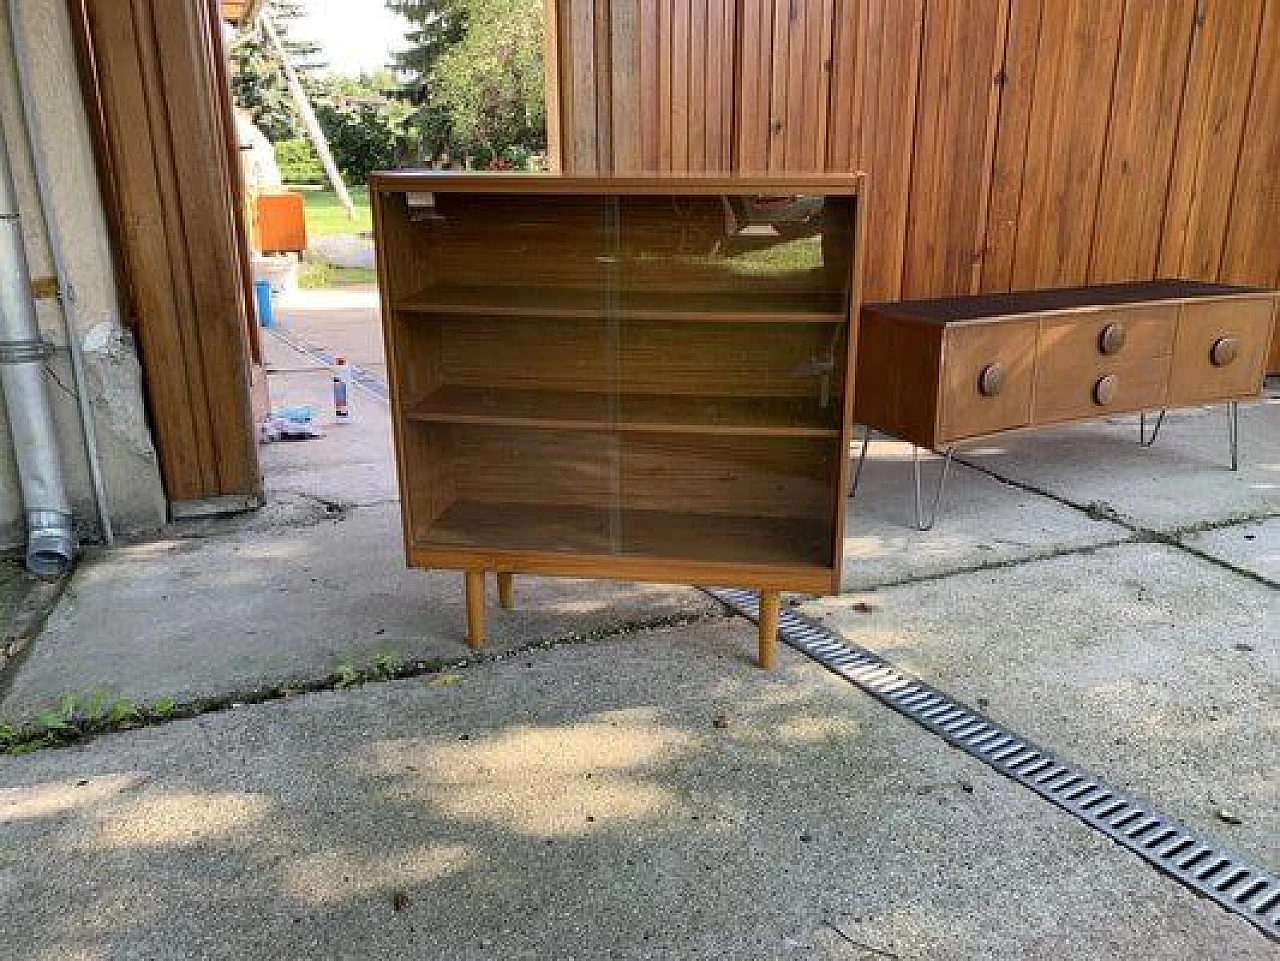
[(1206, 868)]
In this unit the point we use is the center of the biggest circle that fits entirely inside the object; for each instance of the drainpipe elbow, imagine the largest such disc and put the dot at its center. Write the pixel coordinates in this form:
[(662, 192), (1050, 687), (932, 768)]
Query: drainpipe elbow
[(51, 543)]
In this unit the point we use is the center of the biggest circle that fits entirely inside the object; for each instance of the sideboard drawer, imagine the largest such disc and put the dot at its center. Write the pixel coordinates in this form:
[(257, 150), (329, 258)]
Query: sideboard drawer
[(987, 378), (1104, 362), (1221, 350), (1122, 334), (1085, 389)]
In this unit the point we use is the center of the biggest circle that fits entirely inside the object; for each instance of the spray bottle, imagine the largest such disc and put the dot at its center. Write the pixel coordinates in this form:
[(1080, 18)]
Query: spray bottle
[(341, 391)]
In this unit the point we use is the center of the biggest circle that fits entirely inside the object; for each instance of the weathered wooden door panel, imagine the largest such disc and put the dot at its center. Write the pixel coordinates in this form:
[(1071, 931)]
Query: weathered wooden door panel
[(170, 179)]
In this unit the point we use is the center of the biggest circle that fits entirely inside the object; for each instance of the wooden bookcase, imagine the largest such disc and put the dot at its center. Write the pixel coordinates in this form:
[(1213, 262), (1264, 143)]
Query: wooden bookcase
[(639, 379)]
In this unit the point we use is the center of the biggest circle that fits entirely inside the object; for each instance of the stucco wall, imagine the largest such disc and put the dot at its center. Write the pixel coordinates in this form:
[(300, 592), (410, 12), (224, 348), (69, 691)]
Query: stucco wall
[(136, 497)]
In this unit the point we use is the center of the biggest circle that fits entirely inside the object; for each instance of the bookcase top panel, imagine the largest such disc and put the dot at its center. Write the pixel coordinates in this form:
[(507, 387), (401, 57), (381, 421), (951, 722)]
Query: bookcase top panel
[(402, 181)]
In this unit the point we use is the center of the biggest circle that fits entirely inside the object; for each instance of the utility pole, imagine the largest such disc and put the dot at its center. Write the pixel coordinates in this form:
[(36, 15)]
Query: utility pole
[(309, 120)]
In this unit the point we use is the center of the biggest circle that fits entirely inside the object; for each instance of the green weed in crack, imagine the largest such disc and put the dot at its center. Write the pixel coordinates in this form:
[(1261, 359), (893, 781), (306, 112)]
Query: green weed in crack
[(94, 715), (76, 716)]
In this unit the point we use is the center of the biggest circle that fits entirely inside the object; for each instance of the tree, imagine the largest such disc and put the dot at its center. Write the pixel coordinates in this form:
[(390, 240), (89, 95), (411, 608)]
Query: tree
[(364, 121), (435, 26), (475, 67), (491, 81), (257, 83)]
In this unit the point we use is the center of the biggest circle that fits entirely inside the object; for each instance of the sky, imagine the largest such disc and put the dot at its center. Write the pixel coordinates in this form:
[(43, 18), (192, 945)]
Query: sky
[(355, 35)]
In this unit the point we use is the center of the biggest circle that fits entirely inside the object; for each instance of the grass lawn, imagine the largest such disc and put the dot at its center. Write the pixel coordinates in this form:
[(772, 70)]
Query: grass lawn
[(314, 275), (326, 216)]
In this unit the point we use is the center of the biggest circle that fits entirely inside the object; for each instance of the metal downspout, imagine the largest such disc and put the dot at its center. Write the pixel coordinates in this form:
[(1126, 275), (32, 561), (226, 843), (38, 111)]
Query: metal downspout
[(50, 531), (66, 292)]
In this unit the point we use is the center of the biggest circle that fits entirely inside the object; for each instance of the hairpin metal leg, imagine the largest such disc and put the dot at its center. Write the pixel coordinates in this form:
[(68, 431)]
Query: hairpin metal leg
[(1233, 426), (1143, 439), (862, 459), (921, 524)]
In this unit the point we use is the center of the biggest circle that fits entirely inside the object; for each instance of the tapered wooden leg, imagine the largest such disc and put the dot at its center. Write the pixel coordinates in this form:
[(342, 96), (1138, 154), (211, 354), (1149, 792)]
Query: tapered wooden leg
[(506, 590), (475, 608), (768, 630)]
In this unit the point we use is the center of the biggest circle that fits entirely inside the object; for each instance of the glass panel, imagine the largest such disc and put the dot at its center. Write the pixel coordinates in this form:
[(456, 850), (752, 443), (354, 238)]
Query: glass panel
[(731, 316), (650, 376), (511, 385)]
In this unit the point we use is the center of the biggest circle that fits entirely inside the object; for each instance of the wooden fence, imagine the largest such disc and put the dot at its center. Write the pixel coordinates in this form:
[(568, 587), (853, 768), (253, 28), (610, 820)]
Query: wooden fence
[(1010, 144)]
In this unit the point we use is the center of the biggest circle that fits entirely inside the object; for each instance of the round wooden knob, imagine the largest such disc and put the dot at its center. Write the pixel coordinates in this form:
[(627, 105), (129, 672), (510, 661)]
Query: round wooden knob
[(1224, 351), (1111, 339), (1104, 391), (991, 380)]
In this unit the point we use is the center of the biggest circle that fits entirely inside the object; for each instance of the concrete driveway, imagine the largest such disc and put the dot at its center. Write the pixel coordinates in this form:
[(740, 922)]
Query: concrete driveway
[(614, 779)]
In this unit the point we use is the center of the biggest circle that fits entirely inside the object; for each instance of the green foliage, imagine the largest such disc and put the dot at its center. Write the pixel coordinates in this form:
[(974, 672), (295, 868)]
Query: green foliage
[(96, 709), (123, 712), (364, 135), (326, 215), (475, 68), (387, 664), (317, 275), (257, 81), (258, 86), (346, 675), (53, 722), (435, 26), (298, 161), (491, 81), (76, 716)]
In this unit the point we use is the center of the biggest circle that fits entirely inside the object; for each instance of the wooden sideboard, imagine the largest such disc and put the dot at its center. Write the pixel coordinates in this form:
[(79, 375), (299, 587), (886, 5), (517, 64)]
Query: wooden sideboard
[(647, 379), (941, 372)]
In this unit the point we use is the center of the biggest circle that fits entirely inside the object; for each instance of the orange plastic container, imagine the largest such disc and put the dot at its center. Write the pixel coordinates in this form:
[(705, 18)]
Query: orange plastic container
[(281, 223)]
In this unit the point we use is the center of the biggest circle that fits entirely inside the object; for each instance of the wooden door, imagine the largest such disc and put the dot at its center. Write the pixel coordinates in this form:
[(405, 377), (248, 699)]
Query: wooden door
[(156, 91)]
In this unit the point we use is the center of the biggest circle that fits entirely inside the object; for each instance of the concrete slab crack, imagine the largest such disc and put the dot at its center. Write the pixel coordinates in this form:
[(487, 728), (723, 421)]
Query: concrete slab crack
[(1139, 534)]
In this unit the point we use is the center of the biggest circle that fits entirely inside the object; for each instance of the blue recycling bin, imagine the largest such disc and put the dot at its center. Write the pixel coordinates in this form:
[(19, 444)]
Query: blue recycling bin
[(266, 309)]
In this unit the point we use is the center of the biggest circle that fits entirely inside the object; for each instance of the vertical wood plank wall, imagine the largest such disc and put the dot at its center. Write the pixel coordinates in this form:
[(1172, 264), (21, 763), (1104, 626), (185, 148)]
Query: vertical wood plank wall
[(1009, 144)]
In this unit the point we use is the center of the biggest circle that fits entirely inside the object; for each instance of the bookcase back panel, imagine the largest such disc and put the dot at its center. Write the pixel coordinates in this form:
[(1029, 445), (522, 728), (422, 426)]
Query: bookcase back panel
[(782, 477), (642, 357)]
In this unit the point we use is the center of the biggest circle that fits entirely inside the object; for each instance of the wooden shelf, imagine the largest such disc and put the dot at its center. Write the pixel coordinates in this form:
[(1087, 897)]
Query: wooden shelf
[(738, 306), (651, 413), (801, 543)]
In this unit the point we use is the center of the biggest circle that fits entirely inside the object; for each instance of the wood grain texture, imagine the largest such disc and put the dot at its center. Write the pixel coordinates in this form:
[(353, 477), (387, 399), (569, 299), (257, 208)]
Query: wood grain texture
[(166, 147), (474, 589), (603, 387), (1251, 252), (770, 606), (1184, 344), (1009, 156), (884, 135), (966, 352), (1075, 67), (755, 82), (1195, 378), (1011, 144), (1150, 78), (953, 146), (1215, 104)]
